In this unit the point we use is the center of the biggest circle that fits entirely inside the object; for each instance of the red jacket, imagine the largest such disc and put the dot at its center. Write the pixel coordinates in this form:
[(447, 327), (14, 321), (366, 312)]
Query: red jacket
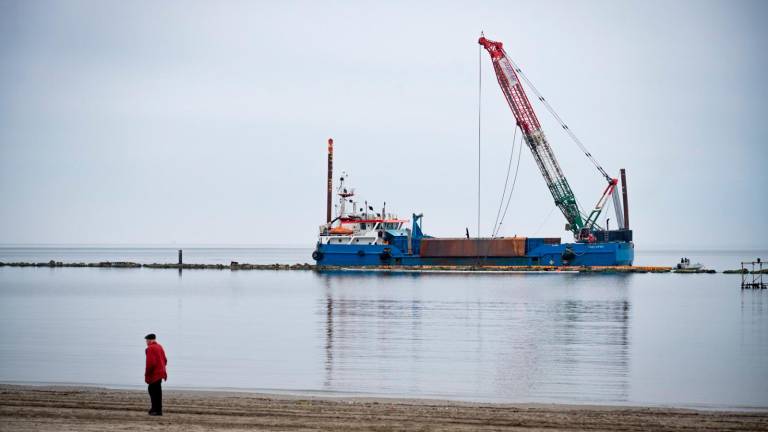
[(156, 362)]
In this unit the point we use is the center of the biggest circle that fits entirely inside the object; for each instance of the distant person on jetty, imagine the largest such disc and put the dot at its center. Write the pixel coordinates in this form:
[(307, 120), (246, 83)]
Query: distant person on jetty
[(154, 374)]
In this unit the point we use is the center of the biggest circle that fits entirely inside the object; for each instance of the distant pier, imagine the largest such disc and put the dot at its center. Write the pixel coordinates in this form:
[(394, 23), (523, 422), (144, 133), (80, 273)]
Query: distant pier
[(752, 275)]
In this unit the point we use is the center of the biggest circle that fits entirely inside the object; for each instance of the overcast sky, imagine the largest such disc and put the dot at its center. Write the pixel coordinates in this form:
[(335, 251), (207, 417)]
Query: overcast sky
[(206, 122)]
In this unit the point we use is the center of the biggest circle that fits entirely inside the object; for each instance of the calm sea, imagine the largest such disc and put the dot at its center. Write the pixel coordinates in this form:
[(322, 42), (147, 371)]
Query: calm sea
[(636, 339)]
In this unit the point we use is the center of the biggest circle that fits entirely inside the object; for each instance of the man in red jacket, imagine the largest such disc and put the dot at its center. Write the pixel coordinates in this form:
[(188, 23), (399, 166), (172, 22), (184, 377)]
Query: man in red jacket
[(154, 374)]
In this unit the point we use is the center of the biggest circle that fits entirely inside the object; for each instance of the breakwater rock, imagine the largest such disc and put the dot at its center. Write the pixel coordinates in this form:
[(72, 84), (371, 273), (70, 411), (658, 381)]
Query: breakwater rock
[(52, 263), (745, 271), (234, 265), (693, 271), (126, 264)]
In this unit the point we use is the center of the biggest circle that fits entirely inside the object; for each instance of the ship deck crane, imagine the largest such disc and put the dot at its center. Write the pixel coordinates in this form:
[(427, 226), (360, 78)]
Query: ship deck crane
[(582, 225)]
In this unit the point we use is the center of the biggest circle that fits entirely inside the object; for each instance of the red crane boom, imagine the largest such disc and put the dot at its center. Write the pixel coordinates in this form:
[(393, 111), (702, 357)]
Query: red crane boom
[(536, 140)]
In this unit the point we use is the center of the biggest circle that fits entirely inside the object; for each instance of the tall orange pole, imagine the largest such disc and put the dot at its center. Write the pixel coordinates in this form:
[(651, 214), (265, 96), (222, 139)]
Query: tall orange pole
[(330, 181)]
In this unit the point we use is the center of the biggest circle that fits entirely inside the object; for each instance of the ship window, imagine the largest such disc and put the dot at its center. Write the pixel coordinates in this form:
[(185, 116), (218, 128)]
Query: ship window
[(362, 226)]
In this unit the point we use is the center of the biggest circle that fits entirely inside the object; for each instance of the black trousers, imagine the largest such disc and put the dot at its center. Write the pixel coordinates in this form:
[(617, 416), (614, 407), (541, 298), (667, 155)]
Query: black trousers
[(156, 396)]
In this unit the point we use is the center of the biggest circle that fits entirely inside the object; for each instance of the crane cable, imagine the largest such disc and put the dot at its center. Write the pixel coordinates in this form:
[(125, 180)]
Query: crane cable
[(559, 119), (544, 221), (479, 127), (514, 182), (506, 183)]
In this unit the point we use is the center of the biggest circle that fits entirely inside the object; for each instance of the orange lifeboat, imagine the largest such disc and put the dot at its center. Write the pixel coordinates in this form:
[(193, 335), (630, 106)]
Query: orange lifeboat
[(340, 230)]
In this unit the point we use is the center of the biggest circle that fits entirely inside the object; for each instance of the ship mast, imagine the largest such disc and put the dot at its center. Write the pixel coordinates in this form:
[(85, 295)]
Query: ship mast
[(344, 195), (330, 182)]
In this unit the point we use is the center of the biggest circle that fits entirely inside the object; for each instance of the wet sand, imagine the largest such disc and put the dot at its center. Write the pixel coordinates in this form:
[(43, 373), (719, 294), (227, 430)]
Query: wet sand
[(58, 408)]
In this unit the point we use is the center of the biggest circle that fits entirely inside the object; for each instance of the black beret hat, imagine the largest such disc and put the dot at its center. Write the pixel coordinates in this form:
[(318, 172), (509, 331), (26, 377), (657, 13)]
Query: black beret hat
[(150, 336)]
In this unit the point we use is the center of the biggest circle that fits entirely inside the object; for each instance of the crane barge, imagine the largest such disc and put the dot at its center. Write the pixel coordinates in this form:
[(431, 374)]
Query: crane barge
[(361, 236)]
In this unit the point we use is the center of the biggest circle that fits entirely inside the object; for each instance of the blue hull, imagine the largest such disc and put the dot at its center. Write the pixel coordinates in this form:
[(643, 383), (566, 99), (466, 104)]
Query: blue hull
[(572, 254)]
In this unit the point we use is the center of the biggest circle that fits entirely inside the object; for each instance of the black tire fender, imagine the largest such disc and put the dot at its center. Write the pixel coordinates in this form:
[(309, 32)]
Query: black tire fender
[(568, 254)]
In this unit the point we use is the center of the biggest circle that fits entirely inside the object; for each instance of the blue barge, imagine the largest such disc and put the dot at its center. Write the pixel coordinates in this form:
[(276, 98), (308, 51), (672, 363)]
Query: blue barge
[(403, 247), (362, 237)]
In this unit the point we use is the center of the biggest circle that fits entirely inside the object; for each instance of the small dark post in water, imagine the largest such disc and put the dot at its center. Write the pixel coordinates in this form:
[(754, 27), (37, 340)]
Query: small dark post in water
[(330, 181), (180, 260), (624, 197)]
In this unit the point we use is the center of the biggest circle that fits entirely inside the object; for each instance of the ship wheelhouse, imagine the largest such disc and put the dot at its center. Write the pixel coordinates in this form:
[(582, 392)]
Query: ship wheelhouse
[(358, 225)]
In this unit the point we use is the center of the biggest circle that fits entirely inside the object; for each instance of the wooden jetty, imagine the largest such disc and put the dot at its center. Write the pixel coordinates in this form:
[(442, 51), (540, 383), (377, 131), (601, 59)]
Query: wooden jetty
[(752, 275)]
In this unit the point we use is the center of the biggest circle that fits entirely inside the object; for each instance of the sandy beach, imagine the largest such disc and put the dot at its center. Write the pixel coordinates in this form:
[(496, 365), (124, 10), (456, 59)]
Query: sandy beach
[(58, 408)]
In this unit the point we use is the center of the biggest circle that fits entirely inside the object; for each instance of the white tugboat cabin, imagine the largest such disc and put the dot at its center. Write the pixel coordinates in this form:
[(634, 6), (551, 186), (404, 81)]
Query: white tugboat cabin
[(358, 225)]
